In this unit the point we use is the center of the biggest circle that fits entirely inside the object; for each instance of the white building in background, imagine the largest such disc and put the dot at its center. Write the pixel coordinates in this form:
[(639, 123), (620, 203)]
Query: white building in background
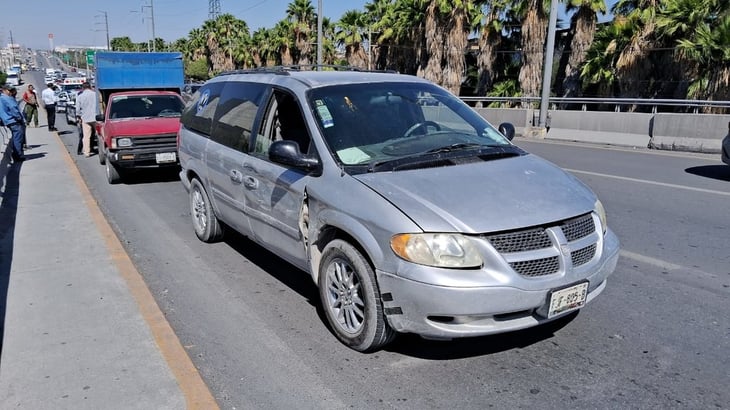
[(66, 48)]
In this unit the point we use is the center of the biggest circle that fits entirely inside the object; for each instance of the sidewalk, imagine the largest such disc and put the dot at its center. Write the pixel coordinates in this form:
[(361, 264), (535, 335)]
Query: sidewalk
[(80, 330)]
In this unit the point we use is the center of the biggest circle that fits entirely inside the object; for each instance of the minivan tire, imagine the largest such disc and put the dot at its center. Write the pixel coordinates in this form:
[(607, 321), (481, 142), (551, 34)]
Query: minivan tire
[(205, 223), (351, 299)]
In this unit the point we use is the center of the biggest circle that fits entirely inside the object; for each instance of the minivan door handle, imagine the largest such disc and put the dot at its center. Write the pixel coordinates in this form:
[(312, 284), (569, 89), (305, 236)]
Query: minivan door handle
[(236, 176), (251, 183)]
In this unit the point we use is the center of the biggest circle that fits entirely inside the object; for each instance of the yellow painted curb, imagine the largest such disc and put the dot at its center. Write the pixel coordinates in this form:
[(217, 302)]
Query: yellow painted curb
[(196, 392)]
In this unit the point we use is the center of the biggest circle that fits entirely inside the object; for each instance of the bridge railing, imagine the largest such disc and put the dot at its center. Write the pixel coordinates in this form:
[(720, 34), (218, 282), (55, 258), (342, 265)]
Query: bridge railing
[(603, 104)]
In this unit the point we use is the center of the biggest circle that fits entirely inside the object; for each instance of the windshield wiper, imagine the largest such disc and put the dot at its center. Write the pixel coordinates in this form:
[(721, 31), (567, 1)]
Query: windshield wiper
[(483, 151), (456, 147)]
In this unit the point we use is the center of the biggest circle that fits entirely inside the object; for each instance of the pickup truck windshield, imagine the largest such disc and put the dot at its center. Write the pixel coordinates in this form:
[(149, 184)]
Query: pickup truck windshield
[(145, 106)]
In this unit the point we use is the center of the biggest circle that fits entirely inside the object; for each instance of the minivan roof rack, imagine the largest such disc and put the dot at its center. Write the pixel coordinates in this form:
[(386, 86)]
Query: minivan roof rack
[(286, 69)]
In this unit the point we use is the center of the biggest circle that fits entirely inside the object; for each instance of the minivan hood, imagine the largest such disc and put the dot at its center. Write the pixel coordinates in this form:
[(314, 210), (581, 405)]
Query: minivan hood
[(142, 126), (485, 196)]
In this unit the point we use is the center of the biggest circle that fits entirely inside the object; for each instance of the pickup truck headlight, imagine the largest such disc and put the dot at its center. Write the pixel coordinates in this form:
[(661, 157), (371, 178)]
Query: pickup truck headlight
[(122, 142), (441, 250), (601, 211)]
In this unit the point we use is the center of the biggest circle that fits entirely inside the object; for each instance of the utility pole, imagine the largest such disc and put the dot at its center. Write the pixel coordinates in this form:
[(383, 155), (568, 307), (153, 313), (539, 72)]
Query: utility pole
[(214, 9), (12, 49), (152, 17), (319, 34), (548, 68), (106, 25)]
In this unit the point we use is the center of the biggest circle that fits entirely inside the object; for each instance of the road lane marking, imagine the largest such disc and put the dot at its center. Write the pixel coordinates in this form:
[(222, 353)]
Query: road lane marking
[(644, 181), (662, 264), (649, 260), (196, 392)]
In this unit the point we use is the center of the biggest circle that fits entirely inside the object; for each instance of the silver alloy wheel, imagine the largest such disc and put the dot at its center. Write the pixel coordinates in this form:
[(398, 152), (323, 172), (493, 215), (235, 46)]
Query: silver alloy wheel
[(200, 215), (343, 296)]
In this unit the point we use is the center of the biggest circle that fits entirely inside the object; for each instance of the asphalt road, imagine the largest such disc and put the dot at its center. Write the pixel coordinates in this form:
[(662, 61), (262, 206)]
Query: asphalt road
[(657, 337)]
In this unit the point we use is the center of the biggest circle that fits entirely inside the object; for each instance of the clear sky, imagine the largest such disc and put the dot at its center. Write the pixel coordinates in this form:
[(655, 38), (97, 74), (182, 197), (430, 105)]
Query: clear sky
[(81, 22)]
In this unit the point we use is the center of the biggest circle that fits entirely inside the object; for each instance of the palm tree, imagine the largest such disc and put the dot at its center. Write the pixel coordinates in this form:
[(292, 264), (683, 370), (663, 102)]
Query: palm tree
[(329, 52), (349, 34), (582, 31), (492, 23), (230, 32), (302, 16), (281, 41), (634, 66), (701, 30), (532, 34)]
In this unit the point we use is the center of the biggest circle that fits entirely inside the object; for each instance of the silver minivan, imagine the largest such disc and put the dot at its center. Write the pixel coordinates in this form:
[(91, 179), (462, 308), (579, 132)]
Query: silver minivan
[(409, 210)]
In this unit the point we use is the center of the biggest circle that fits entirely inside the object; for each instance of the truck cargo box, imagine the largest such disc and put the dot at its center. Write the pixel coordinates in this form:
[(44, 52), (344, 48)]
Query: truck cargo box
[(122, 71)]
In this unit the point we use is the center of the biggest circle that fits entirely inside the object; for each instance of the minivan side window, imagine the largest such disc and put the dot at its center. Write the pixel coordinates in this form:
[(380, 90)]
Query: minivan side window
[(236, 113), (198, 114), (283, 121)]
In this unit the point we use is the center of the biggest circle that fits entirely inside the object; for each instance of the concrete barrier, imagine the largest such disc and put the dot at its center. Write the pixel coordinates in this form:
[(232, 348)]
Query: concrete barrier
[(689, 132), (679, 132)]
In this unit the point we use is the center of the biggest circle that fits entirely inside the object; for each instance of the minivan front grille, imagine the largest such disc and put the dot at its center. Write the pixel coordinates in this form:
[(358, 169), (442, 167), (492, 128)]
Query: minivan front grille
[(520, 241), (528, 251), (583, 256), (537, 267), (579, 227)]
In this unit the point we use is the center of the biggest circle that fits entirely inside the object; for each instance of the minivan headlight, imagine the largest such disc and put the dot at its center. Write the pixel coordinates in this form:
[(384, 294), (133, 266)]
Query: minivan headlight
[(601, 211), (441, 250)]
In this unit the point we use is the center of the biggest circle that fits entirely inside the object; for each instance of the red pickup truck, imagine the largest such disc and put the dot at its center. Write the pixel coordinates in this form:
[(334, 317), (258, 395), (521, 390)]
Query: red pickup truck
[(138, 130)]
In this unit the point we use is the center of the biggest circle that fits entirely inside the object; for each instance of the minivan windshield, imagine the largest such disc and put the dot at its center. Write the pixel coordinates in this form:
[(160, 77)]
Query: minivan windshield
[(373, 123)]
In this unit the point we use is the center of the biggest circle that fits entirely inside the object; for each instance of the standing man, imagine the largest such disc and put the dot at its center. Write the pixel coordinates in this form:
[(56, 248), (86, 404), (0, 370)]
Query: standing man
[(86, 106), (49, 102), (13, 119), (31, 106)]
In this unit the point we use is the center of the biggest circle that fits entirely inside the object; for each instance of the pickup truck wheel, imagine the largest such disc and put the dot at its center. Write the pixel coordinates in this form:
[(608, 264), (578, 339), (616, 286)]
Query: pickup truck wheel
[(102, 152), (351, 298), (113, 174), (206, 225)]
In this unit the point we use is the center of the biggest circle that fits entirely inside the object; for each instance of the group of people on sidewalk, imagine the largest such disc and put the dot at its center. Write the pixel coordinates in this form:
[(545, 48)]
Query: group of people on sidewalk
[(16, 120)]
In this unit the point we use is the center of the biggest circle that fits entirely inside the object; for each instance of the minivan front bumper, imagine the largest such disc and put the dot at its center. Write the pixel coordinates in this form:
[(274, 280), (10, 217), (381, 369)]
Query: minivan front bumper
[(449, 312)]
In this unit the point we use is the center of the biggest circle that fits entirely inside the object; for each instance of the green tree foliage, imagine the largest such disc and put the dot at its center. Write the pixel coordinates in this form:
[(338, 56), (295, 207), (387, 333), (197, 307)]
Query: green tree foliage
[(650, 48)]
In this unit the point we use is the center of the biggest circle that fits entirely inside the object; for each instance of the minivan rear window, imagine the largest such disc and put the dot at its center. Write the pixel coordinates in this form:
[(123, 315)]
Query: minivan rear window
[(236, 113), (198, 114)]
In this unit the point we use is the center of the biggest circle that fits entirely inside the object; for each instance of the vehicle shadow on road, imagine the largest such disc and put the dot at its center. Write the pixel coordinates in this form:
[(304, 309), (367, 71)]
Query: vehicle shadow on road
[(148, 176), (719, 172), (415, 346), (405, 344), (9, 191), (281, 270)]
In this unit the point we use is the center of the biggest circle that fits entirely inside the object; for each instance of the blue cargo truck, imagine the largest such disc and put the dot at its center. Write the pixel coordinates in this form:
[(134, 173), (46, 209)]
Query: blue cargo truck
[(140, 108)]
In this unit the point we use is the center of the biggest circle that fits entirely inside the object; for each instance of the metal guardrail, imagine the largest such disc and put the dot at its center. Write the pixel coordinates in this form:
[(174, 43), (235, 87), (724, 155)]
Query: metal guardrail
[(556, 103)]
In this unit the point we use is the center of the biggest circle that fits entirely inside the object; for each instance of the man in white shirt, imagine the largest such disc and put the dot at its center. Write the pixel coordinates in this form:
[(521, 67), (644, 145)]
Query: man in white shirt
[(86, 108), (49, 103)]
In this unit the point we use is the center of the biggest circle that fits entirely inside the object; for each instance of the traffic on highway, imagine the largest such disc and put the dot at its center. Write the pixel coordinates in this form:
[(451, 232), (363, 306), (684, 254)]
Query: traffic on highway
[(270, 286)]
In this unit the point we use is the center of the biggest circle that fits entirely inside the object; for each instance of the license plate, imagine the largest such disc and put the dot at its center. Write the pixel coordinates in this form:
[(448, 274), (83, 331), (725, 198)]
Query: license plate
[(567, 299), (166, 157)]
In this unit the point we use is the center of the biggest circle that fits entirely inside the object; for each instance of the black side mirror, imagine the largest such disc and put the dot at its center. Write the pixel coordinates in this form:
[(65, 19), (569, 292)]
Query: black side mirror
[(100, 117), (507, 129), (287, 152)]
